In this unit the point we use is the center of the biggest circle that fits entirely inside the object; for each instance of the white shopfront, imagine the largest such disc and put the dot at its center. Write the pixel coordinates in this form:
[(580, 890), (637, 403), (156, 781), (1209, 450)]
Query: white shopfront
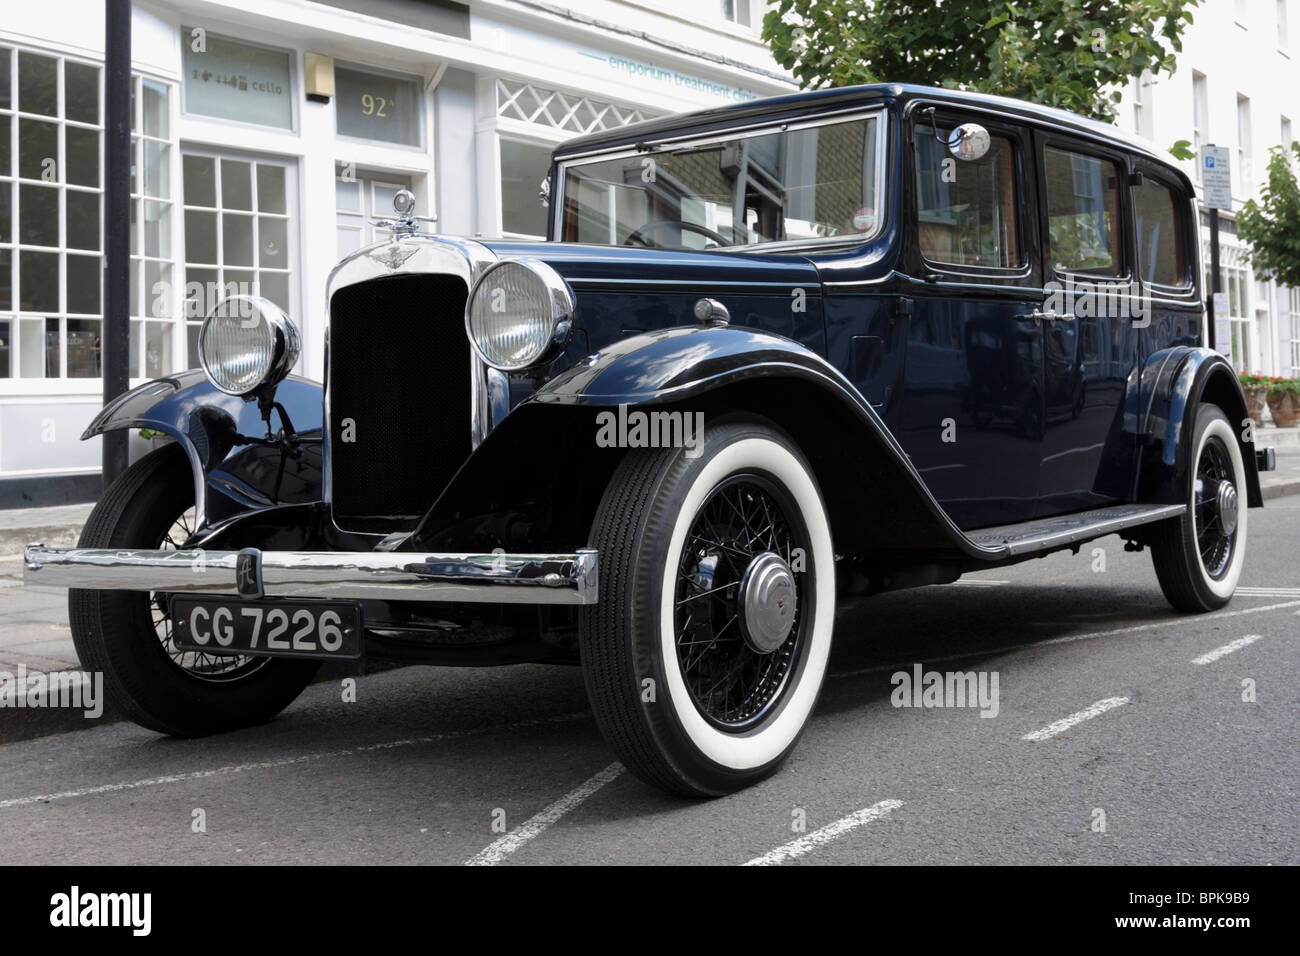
[(242, 180)]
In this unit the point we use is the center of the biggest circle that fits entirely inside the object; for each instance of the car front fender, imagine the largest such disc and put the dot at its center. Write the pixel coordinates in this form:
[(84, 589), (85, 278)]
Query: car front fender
[(231, 475), (549, 440)]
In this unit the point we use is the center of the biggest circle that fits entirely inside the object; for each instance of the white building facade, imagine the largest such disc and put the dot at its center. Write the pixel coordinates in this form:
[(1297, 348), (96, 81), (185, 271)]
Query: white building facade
[(245, 175), (1237, 85)]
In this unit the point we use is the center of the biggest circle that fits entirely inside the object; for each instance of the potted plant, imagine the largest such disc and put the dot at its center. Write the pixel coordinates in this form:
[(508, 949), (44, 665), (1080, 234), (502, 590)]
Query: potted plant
[(1284, 401), (1256, 388)]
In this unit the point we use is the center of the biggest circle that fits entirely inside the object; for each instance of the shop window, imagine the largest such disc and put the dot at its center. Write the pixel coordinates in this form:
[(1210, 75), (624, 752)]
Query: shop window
[(229, 80), (237, 223), (523, 167), (557, 109), (153, 282), (378, 106), (50, 216)]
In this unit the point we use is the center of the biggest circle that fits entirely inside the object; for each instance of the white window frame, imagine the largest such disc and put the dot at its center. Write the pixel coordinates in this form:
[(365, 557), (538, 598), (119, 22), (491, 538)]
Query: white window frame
[(1200, 116), (139, 271), (734, 18), (1241, 318), (291, 215), (16, 383), (1142, 117), (371, 178), (1289, 299), (1245, 159)]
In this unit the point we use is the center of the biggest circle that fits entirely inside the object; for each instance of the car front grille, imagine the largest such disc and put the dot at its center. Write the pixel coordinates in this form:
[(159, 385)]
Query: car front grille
[(399, 391)]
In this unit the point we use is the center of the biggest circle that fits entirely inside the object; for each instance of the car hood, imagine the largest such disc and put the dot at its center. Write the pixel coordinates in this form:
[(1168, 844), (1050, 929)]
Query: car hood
[(623, 269)]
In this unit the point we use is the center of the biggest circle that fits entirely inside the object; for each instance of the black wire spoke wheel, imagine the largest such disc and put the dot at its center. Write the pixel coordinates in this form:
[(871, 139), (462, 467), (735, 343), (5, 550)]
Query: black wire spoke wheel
[(1214, 476), (742, 525), (198, 664), (1199, 555)]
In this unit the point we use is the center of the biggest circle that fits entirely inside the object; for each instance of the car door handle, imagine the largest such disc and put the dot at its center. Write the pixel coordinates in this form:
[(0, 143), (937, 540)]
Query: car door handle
[(1049, 316)]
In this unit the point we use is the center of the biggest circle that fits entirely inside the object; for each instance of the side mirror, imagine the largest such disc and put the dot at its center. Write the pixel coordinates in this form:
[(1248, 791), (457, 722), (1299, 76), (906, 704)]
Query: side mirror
[(969, 142)]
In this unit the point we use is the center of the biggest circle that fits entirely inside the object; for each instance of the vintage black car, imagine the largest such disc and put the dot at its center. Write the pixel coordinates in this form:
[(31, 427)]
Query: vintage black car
[(771, 355)]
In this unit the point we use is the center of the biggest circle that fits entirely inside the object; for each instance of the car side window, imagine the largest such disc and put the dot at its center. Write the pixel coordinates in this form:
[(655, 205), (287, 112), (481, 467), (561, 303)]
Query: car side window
[(1083, 220), (966, 211), (1162, 240)]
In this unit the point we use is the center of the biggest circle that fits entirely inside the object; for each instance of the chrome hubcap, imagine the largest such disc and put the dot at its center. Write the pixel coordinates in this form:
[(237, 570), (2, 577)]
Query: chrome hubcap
[(1226, 504), (767, 601)]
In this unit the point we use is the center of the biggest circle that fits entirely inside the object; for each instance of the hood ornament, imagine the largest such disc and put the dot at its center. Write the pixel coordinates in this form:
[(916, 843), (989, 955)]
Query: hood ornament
[(406, 223)]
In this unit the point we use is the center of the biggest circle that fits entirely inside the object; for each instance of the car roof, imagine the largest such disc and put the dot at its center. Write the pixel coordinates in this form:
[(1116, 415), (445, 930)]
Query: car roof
[(816, 101)]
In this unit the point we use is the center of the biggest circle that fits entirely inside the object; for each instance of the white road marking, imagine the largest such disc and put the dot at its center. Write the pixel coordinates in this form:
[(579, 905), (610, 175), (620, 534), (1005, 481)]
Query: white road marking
[(280, 762), (981, 582), (806, 844), (1211, 656), (1065, 723), (1268, 592), (531, 828), (1178, 621)]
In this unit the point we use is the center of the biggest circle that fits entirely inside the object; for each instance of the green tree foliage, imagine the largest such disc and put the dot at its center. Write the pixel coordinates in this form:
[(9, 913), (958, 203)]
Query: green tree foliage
[(1271, 227), (1074, 54)]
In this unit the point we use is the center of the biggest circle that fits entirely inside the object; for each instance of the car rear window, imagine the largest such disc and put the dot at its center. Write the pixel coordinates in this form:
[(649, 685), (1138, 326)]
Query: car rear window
[(1162, 241)]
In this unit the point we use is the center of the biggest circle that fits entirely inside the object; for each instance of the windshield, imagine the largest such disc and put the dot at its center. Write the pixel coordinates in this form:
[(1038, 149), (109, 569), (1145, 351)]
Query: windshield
[(815, 182)]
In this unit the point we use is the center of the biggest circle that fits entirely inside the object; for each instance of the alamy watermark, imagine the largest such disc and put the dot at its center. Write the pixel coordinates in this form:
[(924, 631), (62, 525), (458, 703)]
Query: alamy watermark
[(1098, 300), (936, 689), (77, 690), (73, 909), (637, 428)]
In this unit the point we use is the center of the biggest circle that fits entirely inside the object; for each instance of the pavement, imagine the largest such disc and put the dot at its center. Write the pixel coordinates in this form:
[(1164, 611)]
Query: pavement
[(1124, 733)]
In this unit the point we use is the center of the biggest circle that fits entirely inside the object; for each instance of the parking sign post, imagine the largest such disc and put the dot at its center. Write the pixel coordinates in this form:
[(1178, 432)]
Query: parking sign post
[(1216, 177)]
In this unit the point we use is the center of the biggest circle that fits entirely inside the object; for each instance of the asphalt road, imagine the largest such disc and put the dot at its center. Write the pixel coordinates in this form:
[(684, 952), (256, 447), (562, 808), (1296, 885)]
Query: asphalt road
[(420, 767)]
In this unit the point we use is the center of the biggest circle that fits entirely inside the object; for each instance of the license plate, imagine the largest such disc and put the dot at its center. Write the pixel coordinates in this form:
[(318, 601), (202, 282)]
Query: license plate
[(318, 629)]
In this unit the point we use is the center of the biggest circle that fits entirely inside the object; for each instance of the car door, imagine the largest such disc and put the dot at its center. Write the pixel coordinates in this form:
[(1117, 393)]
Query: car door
[(971, 411), (1088, 323)]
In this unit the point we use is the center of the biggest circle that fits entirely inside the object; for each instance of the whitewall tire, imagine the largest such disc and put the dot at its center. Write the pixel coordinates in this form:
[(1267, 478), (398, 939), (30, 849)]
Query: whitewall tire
[(1199, 556), (706, 654)]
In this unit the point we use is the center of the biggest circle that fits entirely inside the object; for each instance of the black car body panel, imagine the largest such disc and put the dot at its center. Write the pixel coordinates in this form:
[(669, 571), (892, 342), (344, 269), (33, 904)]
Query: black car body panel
[(863, 350)]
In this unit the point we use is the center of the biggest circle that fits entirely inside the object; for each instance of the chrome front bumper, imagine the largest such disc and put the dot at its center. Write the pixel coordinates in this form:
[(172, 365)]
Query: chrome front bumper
[(362, 575)]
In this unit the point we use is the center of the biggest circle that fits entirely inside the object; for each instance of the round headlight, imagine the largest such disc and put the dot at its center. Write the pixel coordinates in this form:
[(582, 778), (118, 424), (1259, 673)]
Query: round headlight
[(519, 314), (246, 343)]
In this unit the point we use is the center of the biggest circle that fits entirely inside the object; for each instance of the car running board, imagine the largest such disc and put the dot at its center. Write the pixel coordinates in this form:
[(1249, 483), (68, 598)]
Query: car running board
[(1049, 534)]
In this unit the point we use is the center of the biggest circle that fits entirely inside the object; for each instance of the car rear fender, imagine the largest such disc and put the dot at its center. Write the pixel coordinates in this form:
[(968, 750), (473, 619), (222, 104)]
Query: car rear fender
[(1175, 383)]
